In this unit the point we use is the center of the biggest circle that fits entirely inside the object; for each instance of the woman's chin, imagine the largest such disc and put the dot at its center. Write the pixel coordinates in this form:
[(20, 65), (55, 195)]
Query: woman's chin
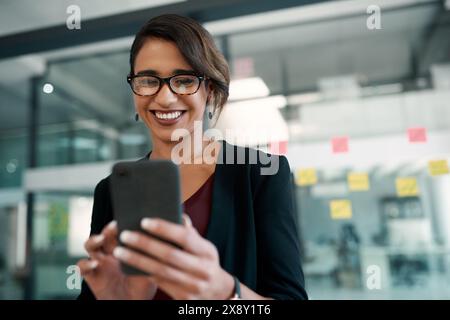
[(168, 138)]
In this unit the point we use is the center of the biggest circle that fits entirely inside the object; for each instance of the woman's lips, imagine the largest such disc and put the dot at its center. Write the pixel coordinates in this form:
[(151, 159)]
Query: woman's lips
[(167, 118)]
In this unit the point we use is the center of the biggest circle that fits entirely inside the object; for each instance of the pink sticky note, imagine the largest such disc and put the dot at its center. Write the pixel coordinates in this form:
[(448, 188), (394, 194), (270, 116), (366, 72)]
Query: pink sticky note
[(417, 134), (339, 144), (278, 147)]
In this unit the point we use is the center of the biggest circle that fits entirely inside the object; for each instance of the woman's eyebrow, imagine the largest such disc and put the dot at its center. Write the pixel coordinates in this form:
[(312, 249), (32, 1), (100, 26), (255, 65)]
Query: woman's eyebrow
[(183, 71), (152, 72), (148, 72)]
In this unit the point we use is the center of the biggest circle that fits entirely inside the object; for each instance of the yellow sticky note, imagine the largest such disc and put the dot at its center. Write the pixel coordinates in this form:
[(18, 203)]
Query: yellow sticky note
[(438, 167), (407, 187), (341, 209), (306, 177), (358, 181)]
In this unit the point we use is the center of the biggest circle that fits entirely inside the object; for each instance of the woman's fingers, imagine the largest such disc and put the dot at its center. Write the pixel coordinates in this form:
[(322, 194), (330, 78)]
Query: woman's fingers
[(186, 220), (158, 269), (94, 244), (110, 232), (186, 238), (87, 266), (165, 253), (103, 243)]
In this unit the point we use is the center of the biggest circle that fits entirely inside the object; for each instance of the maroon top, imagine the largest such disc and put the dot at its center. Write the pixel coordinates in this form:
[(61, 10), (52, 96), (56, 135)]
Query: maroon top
[(198, 208)]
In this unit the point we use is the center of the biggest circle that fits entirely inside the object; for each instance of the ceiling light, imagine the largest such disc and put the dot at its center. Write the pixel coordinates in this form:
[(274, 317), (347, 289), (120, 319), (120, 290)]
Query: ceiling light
[(253, 122), (47, 88), (248, 88)]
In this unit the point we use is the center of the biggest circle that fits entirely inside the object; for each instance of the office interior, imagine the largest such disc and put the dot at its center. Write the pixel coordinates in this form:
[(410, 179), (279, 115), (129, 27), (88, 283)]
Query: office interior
[(355, 93)]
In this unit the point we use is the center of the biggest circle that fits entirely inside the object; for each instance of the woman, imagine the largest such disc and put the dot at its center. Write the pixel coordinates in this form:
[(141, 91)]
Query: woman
[(239, 236)]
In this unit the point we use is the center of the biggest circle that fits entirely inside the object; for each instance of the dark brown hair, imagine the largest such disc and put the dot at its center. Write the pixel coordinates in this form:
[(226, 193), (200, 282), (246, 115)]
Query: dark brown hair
[(197, 47)]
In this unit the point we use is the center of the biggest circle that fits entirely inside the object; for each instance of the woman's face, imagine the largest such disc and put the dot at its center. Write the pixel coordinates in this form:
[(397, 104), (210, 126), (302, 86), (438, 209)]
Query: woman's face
[(164, 59)]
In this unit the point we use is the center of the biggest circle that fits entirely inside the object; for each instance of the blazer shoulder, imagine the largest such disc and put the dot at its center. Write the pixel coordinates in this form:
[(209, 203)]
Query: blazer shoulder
[(102, 187), (267, 164), (251, 156), (260, 167), (102, 209)]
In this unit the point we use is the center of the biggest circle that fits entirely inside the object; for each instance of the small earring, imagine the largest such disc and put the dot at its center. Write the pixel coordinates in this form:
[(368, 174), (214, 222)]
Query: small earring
[(136, 117), (210, 113)]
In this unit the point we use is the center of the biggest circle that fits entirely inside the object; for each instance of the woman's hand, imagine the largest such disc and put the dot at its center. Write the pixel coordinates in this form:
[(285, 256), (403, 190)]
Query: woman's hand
[(192, 272), (103, 274)]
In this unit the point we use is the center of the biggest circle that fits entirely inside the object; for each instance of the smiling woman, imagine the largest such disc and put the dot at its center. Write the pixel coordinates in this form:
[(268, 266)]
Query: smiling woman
[(185, 53), (239, 239)]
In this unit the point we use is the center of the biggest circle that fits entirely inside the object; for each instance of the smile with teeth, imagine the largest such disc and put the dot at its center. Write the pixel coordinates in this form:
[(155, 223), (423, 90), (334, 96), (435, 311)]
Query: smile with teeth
[(168, 115)]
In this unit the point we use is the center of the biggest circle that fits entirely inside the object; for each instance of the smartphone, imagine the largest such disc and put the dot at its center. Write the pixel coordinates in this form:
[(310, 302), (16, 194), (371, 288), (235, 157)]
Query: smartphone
[(142, 189)]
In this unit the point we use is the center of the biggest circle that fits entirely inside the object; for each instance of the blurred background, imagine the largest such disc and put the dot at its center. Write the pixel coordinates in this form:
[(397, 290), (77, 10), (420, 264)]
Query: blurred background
[(355, 93)]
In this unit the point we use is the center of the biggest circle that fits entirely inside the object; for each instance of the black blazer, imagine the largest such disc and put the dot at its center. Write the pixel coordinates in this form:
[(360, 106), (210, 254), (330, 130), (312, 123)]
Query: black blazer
[(252, 224)]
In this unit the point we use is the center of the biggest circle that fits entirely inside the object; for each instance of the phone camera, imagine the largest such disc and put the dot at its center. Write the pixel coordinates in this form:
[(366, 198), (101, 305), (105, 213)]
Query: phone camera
[(122, 172)]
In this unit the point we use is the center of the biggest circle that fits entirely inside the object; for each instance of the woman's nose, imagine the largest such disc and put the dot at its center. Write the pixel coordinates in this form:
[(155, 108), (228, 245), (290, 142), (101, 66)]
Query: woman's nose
[(165, 96)]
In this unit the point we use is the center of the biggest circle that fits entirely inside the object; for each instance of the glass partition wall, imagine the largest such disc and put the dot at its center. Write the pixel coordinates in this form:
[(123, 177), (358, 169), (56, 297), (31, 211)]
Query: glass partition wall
[(362, 114)]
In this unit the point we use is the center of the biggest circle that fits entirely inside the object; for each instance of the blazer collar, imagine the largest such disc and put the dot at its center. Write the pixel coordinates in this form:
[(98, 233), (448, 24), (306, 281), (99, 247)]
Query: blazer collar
[(222, 202)]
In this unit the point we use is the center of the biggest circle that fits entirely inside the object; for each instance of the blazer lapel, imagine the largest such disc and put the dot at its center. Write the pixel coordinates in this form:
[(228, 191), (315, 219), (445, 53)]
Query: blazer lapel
[(222, 206)]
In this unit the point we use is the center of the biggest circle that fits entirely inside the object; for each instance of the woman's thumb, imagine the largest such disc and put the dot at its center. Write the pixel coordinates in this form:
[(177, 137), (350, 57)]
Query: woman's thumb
[(186, 220)]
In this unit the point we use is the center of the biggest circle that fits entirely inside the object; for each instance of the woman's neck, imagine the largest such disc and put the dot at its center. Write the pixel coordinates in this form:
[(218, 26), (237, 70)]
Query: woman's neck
[(162, 149)]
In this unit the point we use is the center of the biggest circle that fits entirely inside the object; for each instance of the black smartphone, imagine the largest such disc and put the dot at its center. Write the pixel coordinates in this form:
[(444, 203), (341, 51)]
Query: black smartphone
[(142, 189)]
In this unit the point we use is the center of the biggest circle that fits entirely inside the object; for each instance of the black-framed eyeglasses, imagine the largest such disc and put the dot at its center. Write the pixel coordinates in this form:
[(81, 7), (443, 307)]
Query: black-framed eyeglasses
[(147, 85)]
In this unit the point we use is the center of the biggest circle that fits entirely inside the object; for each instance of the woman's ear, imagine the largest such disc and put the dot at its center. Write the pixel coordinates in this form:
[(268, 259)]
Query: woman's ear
[(209, 91), (208, 96), (208, 99)]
